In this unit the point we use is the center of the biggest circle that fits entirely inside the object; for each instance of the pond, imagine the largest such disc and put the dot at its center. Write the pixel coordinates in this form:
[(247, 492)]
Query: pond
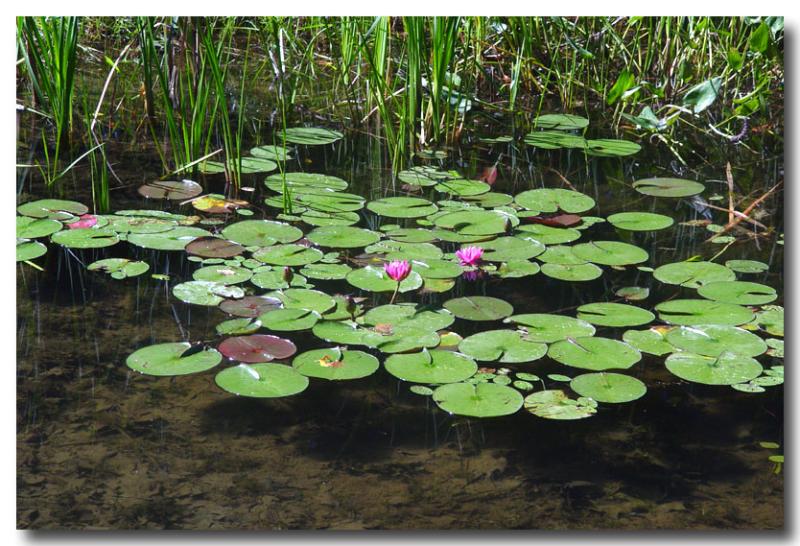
[(548, 325)]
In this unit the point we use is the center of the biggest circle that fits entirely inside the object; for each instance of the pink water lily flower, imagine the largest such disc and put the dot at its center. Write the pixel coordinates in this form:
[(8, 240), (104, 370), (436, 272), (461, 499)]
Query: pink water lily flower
[(469, 256), (397, 270), (86, 221)]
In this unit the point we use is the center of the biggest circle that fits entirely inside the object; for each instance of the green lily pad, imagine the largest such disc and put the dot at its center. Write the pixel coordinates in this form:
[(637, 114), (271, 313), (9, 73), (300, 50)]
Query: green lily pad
[(553, 200), (411, 235), (481, 400), (120, 268), (174, 239), (375, 279), (693, 274), (335, 364), (479, 308), (692, 312), (224, 274), (611, 388), (238, 326), (506, 346), (431, 367), (402, 207), (318, 218), (594, 353), (395, 250), (205, 292), (546, 328), (572, 272), (263, 380), (54, 209), (289, 320), (555, 404), (633, 293), (166, 359), (29, 250), (610, 253), (715, 339), (311, 136), (331, 201), (436, 269), (475, 222), (275, 153), (560, 122), (299, 182), (291, 254), (747, 266), (740, 292), (650, 341), (85, 238), (554, 140), (462, 187), (726, 369), (668, 187), (491, 200), (303, 298), (607, 147), (261, 233), (504, 249), (423, 176), (548, 235), (345, 332), (32, 228), (640, 221), (614, 314), (174, 190), (408, 315), (514, 269), (770, 318), (326, 272), (252, 165), (343, 237)]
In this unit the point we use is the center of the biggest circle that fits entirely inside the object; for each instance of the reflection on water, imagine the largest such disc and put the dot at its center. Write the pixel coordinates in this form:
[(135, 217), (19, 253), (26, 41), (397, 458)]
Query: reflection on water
[(100, 447)]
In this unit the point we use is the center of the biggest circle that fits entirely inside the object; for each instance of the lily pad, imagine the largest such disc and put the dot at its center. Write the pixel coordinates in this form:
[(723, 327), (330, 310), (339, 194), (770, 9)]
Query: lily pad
[(311, 136), (262, 380), (610, 253), (475, 222), (54, 209), (85, 238), (462, 187), (650, 341), (174, 239), (693, 274), (548, 235), (331, 201), (250, 306), (431, 367), (668, 187), (553, 200), (343, 237), (555, 404), (252, 165), (205, 292), (375, 279), (275, 153), (594, 353), (174, 190), (238, 326), (319, 218), (166, 359), (715, 339), (335, 364), (32, 228), (214, 247), (611, 388), (479, 308), (29, 250), (120, 268), (326, 272), (506, 346), (747, 266), (572, 272), (554, 140), (640, 221), (514, 269), (292, 255), (614, 314), (560, 122), (481, 400), (692, 312), (299, 182), (504, 249), (436, 269), (261, 233), (289, 320), (770, 318), (546, 328), (402, 207), (408, 315), (633, 293), (302, 298), (607, 147), (224, 274), (726, 369), (275, 279), (740, 292), (257, 348)]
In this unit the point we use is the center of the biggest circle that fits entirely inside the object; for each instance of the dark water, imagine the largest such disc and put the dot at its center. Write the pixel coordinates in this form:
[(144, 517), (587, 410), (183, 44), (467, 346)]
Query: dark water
[(100, 447)]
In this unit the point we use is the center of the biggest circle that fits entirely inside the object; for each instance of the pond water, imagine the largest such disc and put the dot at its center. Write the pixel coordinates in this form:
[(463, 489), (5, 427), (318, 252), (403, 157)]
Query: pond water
[(100, 446)]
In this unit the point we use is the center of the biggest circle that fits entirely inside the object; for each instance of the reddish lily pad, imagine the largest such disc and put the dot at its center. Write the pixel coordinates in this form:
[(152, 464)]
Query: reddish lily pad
[(214, 247), (250, 306), (257, 348)]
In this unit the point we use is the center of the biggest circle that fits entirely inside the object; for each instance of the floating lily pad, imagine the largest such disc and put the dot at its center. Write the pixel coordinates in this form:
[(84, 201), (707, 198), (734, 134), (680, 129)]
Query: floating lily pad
[(560, 122), (545, 328), (250, 306), (614, 314), (743, 293), (262, 380), (650, 341), (54, 209), (479, 308), (607, 147), (402, 207), (252, 165), (345, 332), (299, 182), (261, 233), (238, 326), (633, 293), (475, 222), (375, 279), (224, 274), (555, 404), (640, 221), (408, 315), (32, 228), (504, 249), (770, 318), (715, 339), (610, 253), (611, 388), (326, 272), (257, 348), (747, 266), (205, 292), (693, 274), (29, 250), (174, 190), (343, 237), (481, 400), (275, 153), (692, 312), (395, 250), (211, 167), (431, 367), (572, 272), (491, 200), (275, 279), (553, 200), (726, 369), (335, 364), (174, 239), (436, 269), (331, 201), (594, 353), (85, 238), (319, 218), (668, 187), (554, 140), (423, 176), (214, 247), (137, 224), (166, 359), (288, 255), (462, 187), (411, 235), (289, 320), (120, 268), (548, 235), (514, 269), (506, 346), (311, 136), (302, 298)]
